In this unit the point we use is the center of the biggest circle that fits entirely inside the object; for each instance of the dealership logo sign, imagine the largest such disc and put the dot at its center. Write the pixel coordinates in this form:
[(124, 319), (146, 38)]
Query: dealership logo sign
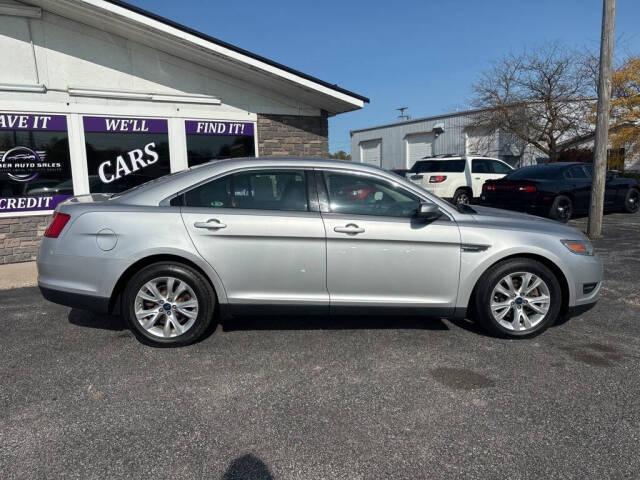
[(23, 164)]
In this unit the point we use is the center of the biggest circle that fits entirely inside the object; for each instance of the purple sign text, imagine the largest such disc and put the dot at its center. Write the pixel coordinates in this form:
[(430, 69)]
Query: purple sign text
[(218, 128)]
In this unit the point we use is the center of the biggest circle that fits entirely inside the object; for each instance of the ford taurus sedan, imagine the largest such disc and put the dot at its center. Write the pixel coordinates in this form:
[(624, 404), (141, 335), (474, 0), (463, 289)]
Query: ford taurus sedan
[(310, 236)]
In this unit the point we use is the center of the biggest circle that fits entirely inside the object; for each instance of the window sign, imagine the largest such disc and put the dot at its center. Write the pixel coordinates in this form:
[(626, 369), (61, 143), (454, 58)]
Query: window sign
[(125, 152), (35, 169), (213, 140)]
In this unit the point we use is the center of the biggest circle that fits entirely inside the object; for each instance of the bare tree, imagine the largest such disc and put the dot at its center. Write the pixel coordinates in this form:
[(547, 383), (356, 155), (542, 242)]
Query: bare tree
[(541, 97)]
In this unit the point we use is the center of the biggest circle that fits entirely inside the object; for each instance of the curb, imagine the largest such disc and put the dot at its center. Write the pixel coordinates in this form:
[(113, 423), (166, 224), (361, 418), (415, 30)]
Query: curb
[(18, 275)]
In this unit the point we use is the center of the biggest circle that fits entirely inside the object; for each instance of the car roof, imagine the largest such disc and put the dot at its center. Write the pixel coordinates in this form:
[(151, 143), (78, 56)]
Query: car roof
[(556, 165), (457, 157)]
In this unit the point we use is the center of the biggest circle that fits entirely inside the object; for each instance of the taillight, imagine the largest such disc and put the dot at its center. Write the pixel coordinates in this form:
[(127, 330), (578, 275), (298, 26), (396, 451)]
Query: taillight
[(57, 224), (437, 178), (488, 187)]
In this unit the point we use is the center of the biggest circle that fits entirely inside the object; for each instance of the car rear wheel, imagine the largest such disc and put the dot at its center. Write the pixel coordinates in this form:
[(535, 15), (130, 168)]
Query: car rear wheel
[(169, 305), (518, 298), (462, 196), (561, 209), (632, 200)]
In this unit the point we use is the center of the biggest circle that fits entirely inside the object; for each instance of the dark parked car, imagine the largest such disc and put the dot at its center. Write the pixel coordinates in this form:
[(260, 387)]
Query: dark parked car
[(558, 190)]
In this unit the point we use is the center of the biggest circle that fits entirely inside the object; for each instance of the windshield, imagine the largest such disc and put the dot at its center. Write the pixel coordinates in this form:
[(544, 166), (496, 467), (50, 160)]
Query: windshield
[(438, 166), (536, 172)]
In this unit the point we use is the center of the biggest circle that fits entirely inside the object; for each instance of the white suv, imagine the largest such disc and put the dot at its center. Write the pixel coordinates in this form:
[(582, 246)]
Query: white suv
[(457, 178)]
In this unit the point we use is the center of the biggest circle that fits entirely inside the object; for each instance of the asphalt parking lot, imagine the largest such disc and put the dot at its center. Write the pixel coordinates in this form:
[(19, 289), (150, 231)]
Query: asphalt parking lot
[(302, 398)]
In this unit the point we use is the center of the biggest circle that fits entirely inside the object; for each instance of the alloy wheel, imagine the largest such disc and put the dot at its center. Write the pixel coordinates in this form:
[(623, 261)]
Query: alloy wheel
[(520, 301), (463, 199), (564, 210), (166, 307)]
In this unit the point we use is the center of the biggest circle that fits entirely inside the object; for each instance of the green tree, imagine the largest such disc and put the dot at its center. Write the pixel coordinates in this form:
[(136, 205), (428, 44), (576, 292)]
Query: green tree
[(340, 155)]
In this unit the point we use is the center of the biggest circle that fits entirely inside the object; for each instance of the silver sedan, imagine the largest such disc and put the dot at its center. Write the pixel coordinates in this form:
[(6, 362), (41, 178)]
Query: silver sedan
[(311, 236)]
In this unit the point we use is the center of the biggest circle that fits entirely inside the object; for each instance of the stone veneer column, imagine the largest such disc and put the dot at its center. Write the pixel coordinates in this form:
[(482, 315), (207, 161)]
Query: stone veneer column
[(293, 136)]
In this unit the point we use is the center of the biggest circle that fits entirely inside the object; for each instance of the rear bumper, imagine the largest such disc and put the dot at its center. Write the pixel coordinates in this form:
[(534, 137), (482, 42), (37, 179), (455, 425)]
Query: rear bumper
[(76, 300)]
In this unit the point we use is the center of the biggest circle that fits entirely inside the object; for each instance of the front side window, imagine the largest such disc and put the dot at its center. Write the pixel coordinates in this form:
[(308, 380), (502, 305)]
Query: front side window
[(365, 195), (125, 152), (499, 167), (262, 190), (35, 167), (214, 140)]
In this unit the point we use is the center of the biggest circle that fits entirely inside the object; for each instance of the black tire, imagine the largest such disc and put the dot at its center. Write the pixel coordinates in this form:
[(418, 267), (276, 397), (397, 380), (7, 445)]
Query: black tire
[(462, 196), (490, 279), (200, 286), (561, 209), (632, 200)]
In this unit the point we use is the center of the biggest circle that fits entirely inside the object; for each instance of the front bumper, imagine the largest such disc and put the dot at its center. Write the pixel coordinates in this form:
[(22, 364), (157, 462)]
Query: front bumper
[(585, 271)]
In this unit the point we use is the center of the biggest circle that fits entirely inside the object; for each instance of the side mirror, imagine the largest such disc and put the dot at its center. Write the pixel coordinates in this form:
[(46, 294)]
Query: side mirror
[(428, 211)]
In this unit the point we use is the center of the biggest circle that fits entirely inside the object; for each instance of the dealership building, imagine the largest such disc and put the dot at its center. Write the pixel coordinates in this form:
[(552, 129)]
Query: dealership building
[(98, 96)]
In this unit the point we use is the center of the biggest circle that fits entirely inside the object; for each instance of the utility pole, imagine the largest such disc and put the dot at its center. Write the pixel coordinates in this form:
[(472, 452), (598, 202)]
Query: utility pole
[(594, 228)]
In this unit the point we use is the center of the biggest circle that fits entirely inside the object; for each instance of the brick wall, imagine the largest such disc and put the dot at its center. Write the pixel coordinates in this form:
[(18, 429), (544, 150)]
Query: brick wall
[(293, 136), (20, 237)]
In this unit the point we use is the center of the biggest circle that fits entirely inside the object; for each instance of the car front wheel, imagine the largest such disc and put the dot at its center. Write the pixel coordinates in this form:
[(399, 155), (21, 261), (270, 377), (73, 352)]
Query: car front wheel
[(518, 298), (168, 305)]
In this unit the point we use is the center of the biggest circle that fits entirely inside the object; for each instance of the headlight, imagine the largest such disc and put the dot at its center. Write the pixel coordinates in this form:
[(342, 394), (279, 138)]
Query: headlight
[(579, 247)]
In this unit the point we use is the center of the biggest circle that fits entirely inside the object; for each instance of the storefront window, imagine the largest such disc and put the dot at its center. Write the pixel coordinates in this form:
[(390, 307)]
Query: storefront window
[(35, 169), (211, 140), (125, 152)]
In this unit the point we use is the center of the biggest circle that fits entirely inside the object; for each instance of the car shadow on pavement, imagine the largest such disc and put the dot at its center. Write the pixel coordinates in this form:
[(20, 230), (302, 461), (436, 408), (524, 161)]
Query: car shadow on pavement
[(355, 322), (83, 318), (248, 467)]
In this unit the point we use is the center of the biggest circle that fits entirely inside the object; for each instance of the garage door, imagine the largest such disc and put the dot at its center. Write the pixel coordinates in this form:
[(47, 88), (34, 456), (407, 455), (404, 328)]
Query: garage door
[(418, 147), (370, 152)]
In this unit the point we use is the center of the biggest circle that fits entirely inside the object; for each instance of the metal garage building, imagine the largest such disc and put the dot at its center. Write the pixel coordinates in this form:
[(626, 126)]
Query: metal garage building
[(99, 96), (399, 145)]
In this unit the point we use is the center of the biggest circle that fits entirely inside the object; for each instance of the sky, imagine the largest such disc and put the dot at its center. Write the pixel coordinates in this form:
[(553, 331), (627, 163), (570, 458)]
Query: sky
[(424, 55)]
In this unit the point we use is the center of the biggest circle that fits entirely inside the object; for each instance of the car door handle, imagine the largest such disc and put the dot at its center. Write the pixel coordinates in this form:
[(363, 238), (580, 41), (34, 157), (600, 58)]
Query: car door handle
[(350, 228), (212, 223), (476, 178)]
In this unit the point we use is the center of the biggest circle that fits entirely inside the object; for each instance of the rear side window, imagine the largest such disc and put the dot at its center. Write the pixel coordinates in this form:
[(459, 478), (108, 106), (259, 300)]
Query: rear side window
[(261, 190), (577, 173), (438, 166)]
